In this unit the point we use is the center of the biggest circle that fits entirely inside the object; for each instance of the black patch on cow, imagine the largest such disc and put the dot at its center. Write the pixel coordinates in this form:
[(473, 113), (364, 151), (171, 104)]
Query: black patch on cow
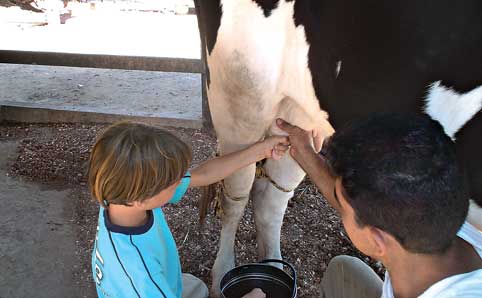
[(469, 150), (209, 15), (461, 87), (267, 6), (390, 52)]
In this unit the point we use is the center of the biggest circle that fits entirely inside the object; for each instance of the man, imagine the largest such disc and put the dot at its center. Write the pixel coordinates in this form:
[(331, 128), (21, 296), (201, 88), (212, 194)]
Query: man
[(403, 200)]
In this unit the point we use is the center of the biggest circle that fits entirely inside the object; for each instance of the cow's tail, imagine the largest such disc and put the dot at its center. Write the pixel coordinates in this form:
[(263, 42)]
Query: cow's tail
[(211, 197)]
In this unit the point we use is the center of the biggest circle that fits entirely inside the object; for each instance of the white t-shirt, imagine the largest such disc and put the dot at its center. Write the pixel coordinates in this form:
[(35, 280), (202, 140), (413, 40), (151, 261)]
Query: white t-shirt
[(467, 285)]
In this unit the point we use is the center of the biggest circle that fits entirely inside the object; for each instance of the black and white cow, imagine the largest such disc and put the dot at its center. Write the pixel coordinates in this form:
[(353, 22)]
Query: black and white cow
[(310, 61)]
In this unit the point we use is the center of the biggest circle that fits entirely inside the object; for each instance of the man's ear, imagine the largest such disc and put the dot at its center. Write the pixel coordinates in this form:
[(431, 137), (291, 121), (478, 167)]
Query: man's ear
[(380, 242)]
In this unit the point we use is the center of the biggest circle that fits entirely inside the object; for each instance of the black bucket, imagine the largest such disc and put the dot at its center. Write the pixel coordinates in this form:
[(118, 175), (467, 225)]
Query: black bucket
[(274, 282)]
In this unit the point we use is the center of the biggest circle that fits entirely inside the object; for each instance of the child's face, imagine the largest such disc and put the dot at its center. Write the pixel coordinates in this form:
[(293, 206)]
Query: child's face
[(161, 198)]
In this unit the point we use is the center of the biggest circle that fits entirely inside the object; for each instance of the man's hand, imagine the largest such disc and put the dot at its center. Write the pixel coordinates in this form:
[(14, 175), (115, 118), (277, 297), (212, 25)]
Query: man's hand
[(312, 163), (255, 293), (301, 140)]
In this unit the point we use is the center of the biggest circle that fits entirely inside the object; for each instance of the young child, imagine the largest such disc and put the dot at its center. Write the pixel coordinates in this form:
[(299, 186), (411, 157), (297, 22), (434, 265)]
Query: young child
[(134, 169)]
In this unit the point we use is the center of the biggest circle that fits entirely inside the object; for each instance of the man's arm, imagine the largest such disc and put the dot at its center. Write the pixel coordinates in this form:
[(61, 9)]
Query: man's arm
[(311, 162)]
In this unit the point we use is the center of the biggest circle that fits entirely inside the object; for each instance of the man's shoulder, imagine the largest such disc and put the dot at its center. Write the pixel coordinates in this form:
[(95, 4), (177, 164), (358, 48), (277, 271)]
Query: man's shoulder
[(467, 285), (461, 285), (471, 235)]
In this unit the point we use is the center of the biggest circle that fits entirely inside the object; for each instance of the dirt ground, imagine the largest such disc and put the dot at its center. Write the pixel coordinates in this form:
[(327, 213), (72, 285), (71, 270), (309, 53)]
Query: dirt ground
[(55, 156), (35, 219)]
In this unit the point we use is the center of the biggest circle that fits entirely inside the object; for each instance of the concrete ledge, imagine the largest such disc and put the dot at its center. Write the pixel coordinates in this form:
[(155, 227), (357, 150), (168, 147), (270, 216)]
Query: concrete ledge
[(35, 114), (102, 61)]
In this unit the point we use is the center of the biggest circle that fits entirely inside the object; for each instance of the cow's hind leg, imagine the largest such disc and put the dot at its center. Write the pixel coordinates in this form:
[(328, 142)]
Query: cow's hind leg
[(236, 194), (270, 201)]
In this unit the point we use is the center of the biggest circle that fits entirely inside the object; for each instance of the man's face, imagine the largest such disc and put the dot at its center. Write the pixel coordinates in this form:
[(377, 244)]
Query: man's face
[(361, 237)]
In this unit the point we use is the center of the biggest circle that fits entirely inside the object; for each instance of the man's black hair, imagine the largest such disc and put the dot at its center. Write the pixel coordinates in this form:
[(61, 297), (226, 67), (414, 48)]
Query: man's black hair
[(400, 174)]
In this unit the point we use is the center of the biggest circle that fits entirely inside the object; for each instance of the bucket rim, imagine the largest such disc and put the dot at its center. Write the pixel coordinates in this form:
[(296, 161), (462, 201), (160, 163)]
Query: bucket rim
[(228, 280)]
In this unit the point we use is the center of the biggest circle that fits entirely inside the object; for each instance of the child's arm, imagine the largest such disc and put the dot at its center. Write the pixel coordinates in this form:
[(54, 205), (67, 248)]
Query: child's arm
[(218, 168)]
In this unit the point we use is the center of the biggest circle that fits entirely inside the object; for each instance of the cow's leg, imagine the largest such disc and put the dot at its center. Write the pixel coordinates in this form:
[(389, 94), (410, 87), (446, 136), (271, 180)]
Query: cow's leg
[(236, 194), (270, 203)]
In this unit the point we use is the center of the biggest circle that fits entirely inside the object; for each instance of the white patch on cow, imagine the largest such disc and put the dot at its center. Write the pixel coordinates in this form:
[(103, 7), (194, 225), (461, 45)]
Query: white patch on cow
[(259, 70), (338, 69), (452, 109)]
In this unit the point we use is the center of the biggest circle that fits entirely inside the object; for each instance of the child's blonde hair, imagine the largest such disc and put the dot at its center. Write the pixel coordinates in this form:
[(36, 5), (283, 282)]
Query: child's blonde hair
[(134, 161)]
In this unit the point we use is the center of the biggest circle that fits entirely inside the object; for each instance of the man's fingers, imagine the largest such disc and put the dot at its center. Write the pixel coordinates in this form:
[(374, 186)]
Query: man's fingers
[(317, 142), (293, 151)]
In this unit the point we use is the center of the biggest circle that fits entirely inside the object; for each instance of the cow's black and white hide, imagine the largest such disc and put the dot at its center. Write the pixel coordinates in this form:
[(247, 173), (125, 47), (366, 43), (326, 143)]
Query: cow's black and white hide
[(321, 63)]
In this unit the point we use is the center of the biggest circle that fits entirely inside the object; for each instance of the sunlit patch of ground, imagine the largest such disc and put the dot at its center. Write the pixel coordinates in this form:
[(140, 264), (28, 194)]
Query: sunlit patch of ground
[(106, 28)]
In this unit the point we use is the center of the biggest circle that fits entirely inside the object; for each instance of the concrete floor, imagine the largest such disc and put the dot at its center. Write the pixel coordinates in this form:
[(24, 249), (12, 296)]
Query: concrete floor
[(37, 247), (168, 98)]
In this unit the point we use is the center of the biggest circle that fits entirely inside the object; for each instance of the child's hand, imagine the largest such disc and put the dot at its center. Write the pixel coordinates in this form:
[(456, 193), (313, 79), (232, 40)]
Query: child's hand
[(274, 147), (300, 139)]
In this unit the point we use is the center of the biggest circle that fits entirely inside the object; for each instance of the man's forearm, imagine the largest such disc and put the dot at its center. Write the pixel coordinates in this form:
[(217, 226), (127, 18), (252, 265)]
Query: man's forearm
[(316, 168)]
